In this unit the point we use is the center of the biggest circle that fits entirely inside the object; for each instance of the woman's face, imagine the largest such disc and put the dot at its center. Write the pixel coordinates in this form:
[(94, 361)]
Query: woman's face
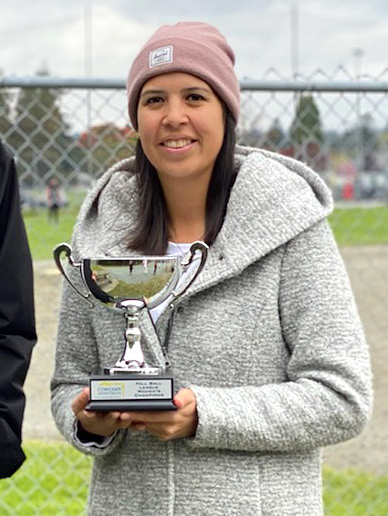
[(181, 126)]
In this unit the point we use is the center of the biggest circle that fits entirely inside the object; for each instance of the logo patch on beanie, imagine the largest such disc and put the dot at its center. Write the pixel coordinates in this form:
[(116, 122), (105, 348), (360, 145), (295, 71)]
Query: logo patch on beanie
[(160, 56)]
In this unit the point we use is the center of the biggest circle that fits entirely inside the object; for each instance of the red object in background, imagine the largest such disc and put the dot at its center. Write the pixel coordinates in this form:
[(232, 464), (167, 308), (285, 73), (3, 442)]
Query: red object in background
[(348, 190)]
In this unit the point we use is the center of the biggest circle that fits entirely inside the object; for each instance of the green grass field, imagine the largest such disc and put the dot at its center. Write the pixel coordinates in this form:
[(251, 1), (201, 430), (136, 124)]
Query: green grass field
[(43, 235), (54, 482), (351, 226), (357, 226)]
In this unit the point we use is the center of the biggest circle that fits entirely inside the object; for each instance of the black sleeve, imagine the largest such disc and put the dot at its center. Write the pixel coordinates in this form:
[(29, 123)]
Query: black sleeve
[(17, 322)]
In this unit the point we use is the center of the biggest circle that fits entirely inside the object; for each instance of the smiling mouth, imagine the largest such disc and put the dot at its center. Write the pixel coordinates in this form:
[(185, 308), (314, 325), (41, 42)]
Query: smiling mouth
[(177, 144)]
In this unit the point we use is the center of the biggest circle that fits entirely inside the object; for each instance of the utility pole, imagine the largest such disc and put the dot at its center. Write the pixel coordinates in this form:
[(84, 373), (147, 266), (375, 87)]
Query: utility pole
[(88, 39), (294, 25), (88, 71), (360, 157), (294, 48)]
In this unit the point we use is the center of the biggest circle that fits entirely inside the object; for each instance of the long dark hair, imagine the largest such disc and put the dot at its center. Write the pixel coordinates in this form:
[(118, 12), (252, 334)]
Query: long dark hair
[(150, 236)]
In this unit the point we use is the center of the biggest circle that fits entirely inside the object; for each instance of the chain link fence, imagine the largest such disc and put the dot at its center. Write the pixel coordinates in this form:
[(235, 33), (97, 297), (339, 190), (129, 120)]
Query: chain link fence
[(65, 133)]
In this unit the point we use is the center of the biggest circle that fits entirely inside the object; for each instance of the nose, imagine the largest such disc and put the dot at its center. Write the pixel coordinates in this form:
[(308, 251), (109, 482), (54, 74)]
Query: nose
[(175, 113)]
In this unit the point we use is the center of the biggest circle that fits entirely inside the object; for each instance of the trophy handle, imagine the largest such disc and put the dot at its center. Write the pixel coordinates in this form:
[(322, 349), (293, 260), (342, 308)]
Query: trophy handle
[(195, 246), (65, 248)]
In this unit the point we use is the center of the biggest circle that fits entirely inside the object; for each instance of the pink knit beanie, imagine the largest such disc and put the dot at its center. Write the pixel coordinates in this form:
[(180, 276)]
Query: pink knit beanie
[(191, 47)]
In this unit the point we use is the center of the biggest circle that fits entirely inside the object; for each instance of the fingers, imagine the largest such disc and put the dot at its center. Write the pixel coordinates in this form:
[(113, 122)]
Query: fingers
[(183, 398), (80, 402), (171, 424), (100, 423), (164, 425)]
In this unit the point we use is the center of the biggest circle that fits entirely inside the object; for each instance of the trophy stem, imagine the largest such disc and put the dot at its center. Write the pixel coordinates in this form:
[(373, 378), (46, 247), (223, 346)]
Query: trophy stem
[(132, 359), (132, 355)]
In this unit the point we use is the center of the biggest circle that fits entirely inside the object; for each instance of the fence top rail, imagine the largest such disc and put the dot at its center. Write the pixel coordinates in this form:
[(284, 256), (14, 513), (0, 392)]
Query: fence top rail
[(245, 85), (327, 86), (61, 82)]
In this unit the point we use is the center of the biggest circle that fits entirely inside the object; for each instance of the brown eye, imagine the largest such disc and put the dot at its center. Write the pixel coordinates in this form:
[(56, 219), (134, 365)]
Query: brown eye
[(153, 100), (195, 97)]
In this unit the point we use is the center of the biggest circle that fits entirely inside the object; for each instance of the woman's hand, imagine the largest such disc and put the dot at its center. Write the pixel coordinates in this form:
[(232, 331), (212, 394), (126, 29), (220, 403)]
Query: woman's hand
[(169, 424), (99, 423), (165, 425)]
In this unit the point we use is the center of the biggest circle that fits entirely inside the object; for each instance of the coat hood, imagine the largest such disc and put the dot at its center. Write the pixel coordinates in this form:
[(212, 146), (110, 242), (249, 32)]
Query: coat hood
[(274, 198)]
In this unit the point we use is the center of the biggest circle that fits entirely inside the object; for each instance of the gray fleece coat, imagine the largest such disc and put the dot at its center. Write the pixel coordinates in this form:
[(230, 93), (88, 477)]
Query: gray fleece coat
[(268, 338)]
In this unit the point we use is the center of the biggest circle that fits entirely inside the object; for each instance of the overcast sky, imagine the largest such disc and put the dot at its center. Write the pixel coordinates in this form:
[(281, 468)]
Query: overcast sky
[(352, 34)]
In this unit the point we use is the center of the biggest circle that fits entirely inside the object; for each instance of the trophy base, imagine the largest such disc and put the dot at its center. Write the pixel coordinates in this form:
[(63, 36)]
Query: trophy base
[(131, 392), (128, 406)]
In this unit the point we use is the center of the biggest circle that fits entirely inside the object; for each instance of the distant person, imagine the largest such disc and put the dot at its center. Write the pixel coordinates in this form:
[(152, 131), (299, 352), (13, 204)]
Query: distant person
[(53, 199), (17, 322)]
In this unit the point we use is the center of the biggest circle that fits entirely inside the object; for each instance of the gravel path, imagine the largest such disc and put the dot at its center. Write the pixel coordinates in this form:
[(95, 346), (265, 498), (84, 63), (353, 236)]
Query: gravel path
[(367, 267)]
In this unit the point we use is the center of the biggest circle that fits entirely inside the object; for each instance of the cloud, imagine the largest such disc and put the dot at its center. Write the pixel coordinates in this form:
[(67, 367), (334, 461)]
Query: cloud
[(52, 32)]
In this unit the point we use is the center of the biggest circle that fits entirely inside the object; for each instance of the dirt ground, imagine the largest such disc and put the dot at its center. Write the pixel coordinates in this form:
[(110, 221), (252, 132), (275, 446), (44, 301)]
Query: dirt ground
[(368, 271)]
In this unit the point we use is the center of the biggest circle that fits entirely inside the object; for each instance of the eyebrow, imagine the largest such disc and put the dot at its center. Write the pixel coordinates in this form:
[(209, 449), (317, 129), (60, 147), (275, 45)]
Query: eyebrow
[(151, 92), (183, 90)]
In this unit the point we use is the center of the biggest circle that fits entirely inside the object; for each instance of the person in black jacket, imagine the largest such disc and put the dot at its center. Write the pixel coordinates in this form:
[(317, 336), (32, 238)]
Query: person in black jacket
[(17, 320)]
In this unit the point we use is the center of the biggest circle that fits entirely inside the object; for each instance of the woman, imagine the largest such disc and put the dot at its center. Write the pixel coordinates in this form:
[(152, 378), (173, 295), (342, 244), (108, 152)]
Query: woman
[(267, 348)]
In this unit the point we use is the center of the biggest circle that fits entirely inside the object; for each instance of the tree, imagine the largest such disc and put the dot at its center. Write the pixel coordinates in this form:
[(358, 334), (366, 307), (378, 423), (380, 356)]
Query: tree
[(40, 134), (306, 131), (307, 123), (274, 138), (105, 144), (361, 141)]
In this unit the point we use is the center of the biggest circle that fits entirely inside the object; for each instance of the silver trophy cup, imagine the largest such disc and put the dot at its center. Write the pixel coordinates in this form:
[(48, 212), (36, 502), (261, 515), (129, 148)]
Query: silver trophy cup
[(130, 285)]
